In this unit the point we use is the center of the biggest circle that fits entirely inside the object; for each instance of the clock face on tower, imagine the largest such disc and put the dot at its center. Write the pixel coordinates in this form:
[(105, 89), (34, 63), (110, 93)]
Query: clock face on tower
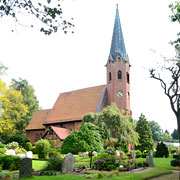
[(119, 93)]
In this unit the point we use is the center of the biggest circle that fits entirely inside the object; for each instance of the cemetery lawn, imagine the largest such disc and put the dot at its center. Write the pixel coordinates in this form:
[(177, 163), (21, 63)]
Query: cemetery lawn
[(162, 166)]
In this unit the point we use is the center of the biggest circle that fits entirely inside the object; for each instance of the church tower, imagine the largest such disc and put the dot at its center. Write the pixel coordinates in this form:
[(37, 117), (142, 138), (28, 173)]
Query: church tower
[(118, 70)]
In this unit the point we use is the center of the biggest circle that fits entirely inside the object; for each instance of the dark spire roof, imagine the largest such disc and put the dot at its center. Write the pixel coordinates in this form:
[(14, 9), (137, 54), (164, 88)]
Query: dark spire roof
[(117, 44)]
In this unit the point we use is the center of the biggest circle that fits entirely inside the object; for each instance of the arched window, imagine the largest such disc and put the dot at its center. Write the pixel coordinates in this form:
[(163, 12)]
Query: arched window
[(110, 76), (119, 75), (128, 78)]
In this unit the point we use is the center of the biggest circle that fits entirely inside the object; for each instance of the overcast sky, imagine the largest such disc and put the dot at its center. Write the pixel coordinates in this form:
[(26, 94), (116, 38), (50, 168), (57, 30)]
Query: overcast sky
[(60, 63)]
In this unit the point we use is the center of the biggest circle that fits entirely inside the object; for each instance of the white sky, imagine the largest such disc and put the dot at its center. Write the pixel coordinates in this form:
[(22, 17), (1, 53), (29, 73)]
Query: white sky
[(59, 63)]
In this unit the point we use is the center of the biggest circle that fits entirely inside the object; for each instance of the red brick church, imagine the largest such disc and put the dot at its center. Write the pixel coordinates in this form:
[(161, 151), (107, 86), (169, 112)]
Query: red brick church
[(70, 107)]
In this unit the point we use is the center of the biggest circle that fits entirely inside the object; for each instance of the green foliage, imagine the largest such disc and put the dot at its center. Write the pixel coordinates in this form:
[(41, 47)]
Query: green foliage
[(145, 135), (175, 17), (47, 13), (28, 146), (29, 99), (114, 125), (175, 134), (107, 161), (9, 162), (156, 130), (138, 153), (162, 150), (43, 148), (175, 163), (55, 161), (12, 110), (83, 140), (12, 145)]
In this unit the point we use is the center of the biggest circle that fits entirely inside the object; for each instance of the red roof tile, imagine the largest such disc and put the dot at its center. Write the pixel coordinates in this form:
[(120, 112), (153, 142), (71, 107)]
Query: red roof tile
[(71, 106), (62, 133), (38, 120)]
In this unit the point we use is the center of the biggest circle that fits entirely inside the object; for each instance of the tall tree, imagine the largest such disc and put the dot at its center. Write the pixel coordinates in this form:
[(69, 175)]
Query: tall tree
[(29, 99), (170, 84), (145, 135), (156, 130), (175, 17), (47, 12), (175, 134), (12, 110), (114, 125)]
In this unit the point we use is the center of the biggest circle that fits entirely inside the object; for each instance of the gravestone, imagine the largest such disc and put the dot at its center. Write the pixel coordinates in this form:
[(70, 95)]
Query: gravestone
[(29, 154), (149, 161), (151, 153), (133, 154), (68, 164), (25, 168)]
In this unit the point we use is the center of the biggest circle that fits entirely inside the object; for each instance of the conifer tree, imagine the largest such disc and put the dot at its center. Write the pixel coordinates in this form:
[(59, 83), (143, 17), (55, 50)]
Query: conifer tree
[(145, 135)]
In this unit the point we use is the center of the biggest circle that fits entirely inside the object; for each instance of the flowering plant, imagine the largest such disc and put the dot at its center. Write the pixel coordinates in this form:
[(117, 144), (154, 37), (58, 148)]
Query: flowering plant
[(12, 145), (107, 161)]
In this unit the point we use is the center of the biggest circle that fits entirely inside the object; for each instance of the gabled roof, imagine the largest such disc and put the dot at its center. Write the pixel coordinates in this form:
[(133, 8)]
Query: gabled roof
[(62, 133), (117, 44), (72, 106), (38, 120)]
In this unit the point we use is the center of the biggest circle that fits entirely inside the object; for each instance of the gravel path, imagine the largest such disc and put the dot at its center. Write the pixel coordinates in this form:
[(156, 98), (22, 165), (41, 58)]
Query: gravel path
[(172, 176)]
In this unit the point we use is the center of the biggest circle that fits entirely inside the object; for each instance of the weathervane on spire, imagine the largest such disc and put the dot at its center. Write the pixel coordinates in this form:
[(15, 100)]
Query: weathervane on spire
[(117, 6)]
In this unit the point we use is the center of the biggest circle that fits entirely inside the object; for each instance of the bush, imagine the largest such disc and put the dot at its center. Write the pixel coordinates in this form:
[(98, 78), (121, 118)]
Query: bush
[(34, 150), (43, 148), (162, 150), (138, 153), (55, 161), (28, 146), (175, 163), (175, 156), (106, 161), (12, 145), (9, 162)]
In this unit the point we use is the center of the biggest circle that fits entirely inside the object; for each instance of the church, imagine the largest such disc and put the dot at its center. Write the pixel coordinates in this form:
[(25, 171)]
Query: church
[(70, 107)]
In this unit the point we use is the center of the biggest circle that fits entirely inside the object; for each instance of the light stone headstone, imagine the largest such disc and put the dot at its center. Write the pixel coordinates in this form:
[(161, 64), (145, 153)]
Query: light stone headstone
[(149, 161), (68, 164), (25, 168), (151, 153), (117, 152), (133, 154), (29, 154), (10, 152)]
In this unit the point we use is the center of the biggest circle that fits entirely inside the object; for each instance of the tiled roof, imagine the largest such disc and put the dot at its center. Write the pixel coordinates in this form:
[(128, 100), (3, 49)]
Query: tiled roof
[(38, 120), (62, 133), (71, 106)]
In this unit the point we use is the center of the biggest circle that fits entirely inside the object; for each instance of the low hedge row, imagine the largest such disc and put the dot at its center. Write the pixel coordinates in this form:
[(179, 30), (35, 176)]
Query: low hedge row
[(9, 162)]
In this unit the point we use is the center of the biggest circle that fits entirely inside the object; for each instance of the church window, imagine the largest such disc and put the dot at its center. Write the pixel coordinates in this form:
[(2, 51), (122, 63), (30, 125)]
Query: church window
[(119, 75), (110, 76), (128, 78)]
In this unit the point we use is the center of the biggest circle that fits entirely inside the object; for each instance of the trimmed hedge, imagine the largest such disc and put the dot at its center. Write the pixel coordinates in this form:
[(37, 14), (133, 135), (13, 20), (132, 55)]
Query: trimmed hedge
[(175, 163), (9, 162)]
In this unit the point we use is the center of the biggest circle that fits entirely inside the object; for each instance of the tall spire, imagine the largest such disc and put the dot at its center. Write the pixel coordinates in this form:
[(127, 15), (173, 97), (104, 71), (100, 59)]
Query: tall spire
[(117, 44)]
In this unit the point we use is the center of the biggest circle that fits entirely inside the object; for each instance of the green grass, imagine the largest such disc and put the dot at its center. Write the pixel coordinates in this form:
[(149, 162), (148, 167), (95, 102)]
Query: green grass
[(162, 166), (36, 164)]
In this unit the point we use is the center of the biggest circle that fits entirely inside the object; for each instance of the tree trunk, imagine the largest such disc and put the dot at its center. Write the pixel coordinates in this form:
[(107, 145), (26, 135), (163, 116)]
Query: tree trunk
[(178, 123)]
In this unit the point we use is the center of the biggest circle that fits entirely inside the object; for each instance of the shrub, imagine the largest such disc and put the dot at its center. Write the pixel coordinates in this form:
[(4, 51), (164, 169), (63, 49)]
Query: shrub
[(28, 146), (55, 161), (138, 153), (106, 161), (43, 148), (34, 150), (12, 145), (175, 163), (175, 156), (162, 150), (21, 151), (9, 162), (2, 150)]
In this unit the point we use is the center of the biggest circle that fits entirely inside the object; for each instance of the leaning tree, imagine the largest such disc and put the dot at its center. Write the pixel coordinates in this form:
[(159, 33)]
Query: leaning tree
[(170, 83)]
